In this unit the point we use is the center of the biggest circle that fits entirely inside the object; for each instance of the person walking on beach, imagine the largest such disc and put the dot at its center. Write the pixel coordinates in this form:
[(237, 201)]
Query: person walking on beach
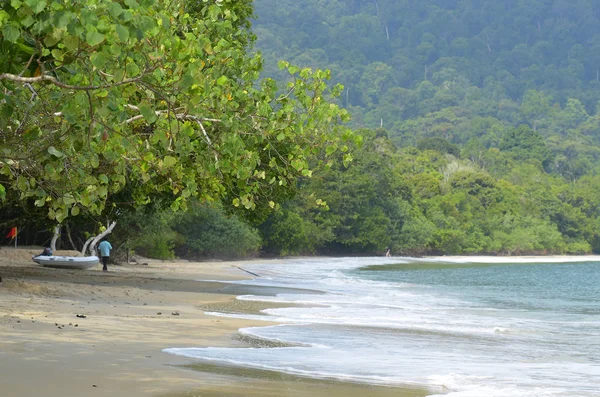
[(104, 248)]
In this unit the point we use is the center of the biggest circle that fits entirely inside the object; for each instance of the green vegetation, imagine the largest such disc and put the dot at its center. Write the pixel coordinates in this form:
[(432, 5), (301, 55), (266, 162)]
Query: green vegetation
[(110, 106), (476, 125), (427, 201), (200, 232), (490, 115), (150, 100), (465, 72)]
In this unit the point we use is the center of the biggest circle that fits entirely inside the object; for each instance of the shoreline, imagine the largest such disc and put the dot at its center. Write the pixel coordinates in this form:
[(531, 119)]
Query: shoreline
[(133, 312), (72, 332), (85, 332)]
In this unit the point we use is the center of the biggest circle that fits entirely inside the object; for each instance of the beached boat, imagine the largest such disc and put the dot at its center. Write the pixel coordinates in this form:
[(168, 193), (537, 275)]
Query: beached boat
[(67, 262)]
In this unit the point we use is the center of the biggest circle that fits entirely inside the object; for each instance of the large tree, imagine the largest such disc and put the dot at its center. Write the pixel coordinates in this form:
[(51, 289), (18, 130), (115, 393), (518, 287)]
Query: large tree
[(152, 98)]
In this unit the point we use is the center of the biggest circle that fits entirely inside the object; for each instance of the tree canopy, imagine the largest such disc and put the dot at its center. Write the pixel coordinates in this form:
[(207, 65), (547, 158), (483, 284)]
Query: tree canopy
[(151, 98)]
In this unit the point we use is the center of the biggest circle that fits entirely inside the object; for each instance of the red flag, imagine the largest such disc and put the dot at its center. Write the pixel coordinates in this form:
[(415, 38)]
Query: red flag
[(12, 233)]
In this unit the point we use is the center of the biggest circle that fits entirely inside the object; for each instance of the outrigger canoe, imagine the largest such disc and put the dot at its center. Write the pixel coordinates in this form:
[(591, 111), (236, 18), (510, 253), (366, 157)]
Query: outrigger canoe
[(67, 262)]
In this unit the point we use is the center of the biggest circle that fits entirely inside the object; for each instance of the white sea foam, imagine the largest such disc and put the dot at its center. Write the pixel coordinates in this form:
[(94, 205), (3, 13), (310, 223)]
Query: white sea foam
[(427, 327)]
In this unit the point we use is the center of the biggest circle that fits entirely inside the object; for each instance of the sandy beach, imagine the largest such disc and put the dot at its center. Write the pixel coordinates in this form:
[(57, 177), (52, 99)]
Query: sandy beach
[(85, 332)]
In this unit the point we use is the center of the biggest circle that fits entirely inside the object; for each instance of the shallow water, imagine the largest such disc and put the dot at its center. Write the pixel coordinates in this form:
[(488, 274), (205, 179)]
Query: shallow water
[(456, 329)]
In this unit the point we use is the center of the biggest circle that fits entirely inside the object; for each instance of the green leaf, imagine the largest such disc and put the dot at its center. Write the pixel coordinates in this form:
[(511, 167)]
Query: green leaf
[(347, 160), (115, 9), (94, 161), (148, 113), (93, 38), (123, 33), (222, 80), (60, 214), (11, 33), (37, 6), (102, 191), (176, 204), (132, 69), (75, 211), (3, 17), (63, 19), (28, 21), (54, 152), (148, 25), (57, 54), (169, 161), (68, 199), (98, 60), (71, 42), (86, 199), (132, 4)]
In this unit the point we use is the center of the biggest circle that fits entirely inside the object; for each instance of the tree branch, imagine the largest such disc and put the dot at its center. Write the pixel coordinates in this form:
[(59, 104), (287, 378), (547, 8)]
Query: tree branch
[(92, 241), (55, 237), (56, 82)]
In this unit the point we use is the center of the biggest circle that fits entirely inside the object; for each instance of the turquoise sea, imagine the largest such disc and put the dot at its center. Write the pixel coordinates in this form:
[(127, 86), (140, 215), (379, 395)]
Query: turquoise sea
[(458, 329)]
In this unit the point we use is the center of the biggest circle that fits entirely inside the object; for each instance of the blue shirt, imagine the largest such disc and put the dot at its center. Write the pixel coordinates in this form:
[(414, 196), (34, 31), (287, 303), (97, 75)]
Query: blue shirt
[(104, 248)]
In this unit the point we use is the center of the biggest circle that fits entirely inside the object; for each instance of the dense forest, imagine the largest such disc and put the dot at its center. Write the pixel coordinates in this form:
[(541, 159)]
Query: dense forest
[(480, 132), (485, 132)]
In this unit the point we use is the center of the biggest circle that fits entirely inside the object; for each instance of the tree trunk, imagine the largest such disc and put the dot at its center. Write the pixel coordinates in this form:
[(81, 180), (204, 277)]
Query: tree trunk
[(70, 238), (88, 241), (54, 238), (92, 241)]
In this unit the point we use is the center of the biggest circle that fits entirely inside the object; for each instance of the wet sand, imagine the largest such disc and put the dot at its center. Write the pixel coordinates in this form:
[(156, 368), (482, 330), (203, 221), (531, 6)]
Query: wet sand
[(85, 332)]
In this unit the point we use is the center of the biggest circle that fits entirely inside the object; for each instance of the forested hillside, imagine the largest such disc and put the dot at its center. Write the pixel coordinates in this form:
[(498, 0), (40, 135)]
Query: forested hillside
[(507, 47), (459, 70), (490, 138)]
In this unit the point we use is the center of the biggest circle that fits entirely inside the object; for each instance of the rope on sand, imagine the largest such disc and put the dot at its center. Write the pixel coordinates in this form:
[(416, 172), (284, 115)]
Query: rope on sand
[(244, 270)]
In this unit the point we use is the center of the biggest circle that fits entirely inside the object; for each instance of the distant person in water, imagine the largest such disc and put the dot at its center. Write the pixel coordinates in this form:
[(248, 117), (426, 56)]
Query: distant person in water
[(388, 251), (104, 248)]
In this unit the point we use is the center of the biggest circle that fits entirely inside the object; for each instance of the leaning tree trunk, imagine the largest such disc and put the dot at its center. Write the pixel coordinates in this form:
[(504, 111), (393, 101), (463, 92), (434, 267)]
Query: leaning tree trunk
[(70, 238), (92, 241), (54, 238), (88, 241)]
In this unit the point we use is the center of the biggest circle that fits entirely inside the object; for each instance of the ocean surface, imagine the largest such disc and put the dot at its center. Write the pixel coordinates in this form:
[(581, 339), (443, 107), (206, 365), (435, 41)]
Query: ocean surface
[(456, 329)]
